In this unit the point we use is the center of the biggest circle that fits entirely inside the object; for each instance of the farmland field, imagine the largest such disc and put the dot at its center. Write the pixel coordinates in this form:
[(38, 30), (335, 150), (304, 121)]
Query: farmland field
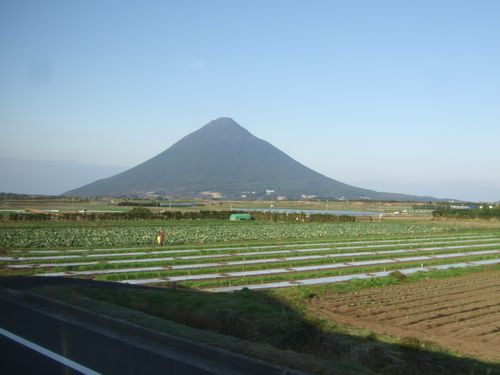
[(302, 270), (253, 255), (463, 314), (105, 234)]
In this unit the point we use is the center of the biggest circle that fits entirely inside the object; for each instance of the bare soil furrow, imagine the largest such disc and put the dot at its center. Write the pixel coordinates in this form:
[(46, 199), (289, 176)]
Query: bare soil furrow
[(451, 317), (459, 300), (406, 291), (493, 335), (490, 320), (460, 313), (447, 315), (493, 330), (484, 332), (418, 298), (474, 346), (425, 305)]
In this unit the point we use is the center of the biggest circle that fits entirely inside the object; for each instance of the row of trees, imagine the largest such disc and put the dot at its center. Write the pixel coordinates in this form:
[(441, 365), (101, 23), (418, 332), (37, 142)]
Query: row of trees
[(142, 213), (485, 213), (137, 213), (300, 217)]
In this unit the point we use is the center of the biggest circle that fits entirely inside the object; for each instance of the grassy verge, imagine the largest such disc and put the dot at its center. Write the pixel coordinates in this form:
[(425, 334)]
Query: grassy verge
[(228, 338)]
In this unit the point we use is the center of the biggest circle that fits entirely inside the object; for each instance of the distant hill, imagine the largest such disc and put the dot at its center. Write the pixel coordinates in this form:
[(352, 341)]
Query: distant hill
[(48, 177), (224, 158)]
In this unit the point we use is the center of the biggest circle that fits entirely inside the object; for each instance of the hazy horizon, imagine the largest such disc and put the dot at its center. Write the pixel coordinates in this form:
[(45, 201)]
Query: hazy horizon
[(61, 182), (390, 96)]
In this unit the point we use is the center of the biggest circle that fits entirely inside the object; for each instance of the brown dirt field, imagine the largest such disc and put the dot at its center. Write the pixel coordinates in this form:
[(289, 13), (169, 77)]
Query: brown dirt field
[(459, 313)]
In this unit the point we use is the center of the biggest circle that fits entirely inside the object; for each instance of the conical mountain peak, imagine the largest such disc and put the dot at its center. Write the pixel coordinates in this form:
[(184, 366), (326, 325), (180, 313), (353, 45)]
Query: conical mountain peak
[(225, 158), (222, 129), (223, 122)]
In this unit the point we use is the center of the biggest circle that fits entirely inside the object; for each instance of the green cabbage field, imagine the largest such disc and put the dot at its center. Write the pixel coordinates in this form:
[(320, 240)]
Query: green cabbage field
[(81, 236)]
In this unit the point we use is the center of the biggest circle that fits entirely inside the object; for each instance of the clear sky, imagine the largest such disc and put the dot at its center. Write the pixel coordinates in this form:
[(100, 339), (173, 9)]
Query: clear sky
[(399, 96)]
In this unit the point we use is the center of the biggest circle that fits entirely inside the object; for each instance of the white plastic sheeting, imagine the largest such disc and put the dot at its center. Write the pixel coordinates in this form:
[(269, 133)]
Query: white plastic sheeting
[(253, 261), (336, 279), (242, 254), (293, 269)]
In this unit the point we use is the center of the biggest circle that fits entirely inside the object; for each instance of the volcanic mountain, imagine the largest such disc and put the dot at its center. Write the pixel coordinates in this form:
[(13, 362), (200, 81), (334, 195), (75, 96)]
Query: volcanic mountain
[(224, 158)]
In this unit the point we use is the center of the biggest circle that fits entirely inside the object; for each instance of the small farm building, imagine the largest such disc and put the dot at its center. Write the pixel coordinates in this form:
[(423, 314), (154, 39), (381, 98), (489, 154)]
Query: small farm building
[(235, 217)]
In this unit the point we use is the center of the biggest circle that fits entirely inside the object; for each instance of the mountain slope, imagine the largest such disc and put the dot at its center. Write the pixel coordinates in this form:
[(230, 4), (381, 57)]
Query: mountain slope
[(224, 157)]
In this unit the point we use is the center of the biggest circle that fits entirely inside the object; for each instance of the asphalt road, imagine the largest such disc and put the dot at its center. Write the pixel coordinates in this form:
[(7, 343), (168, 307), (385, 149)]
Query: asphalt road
[(38, 336), (19, 359), (92, 350)]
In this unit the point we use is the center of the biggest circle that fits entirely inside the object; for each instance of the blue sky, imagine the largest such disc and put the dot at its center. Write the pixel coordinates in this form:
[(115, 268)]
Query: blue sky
[(397, 96)]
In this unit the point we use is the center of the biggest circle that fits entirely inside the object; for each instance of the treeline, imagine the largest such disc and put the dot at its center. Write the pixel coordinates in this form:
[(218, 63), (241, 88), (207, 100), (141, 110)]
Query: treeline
[(35, 197), (479, 213), (136, 213), (300, 217), (138, 204), (157, 204), (142, 213), (432, 206)]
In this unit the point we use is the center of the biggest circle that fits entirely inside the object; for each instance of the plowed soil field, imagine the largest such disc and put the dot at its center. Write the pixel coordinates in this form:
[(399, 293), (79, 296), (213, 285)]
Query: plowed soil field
[(459, 313)]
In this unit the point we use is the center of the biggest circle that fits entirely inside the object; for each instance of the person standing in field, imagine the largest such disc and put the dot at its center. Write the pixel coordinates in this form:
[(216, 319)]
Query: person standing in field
[(160, 237)]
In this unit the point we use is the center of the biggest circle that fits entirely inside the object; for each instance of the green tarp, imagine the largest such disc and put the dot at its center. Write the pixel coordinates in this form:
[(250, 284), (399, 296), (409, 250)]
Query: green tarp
[(240, 217)]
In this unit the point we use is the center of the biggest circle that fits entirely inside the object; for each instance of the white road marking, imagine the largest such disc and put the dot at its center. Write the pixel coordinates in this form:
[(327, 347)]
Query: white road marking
[(48, 353)]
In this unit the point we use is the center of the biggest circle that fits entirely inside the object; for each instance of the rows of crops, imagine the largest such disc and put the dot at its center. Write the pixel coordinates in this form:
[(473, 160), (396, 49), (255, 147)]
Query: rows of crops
[(88, 236), (269, 265)]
